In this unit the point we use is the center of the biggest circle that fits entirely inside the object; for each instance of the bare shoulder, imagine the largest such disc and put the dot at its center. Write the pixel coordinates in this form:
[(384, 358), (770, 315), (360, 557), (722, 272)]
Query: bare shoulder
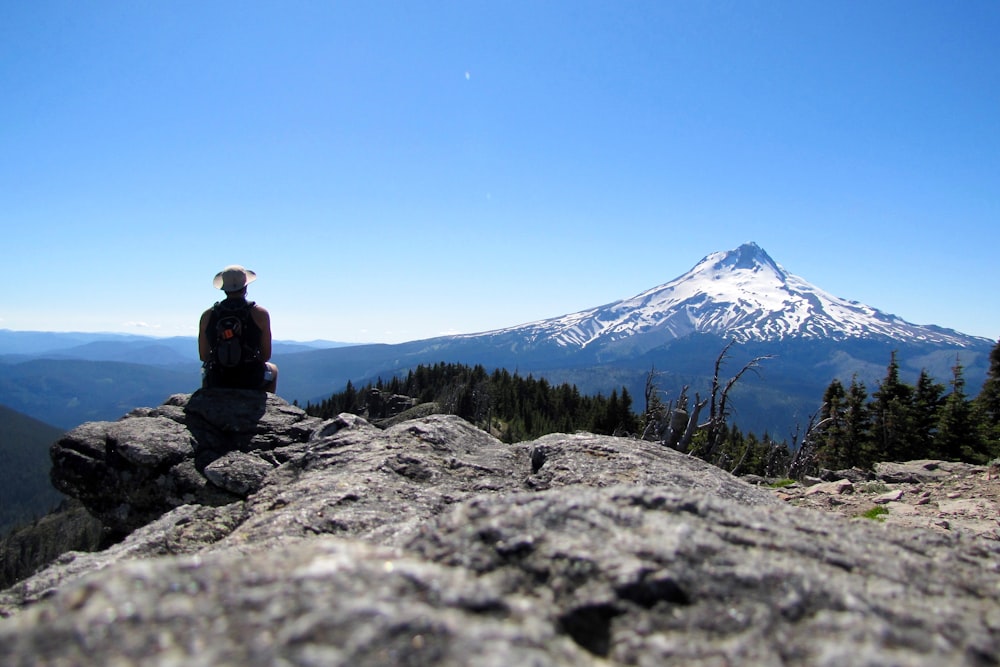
[(260, 314)]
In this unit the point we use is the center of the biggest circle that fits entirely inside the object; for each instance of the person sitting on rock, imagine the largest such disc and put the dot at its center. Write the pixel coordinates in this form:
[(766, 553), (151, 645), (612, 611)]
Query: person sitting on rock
[(234, 337)]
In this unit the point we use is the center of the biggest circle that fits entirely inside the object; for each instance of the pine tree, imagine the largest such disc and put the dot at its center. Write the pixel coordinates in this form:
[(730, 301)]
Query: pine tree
[(892, 417), (987, 406), (605, 422), (957, 437), (350, 399), (832, 438), (628, 422), (857, 426), (926, 413), (756, 450)]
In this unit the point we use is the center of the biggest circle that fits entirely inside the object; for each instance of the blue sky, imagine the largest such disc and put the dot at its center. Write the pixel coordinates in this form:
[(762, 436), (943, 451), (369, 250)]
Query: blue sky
[(401, 170)]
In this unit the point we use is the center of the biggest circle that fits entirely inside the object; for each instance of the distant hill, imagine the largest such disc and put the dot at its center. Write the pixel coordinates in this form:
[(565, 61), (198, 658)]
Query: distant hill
[(25, 490), (69, 392), (18, 346)]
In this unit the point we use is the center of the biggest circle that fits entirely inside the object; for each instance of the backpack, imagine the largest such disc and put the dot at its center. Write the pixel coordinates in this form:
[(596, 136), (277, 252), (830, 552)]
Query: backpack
[(233, 333)]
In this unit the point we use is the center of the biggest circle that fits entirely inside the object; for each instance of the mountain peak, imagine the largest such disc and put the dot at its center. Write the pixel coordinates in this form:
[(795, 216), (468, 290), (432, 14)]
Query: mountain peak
[(739, 294), (748, 256)]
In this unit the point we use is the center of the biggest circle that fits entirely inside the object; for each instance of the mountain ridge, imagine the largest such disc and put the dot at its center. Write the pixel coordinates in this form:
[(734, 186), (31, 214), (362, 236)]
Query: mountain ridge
[(740, 294), (18, 346)]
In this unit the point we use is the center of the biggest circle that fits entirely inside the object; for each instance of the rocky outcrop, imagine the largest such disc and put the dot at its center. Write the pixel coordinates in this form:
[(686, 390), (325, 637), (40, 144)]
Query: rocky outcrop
[(915, 471), (210, 448), (382, 405), (432, 543)]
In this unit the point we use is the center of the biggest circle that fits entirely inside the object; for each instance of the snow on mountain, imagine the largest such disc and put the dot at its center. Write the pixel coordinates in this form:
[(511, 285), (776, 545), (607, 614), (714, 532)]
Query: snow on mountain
[(739, 294)]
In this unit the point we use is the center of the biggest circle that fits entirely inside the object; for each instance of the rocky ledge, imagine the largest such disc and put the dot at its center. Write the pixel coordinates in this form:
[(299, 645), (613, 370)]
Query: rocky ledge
[(256, 535)]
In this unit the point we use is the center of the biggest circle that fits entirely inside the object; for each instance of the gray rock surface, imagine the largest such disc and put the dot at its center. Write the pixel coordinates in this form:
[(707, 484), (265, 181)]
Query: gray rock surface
[(432, 543), (914, 471), (131, 471)]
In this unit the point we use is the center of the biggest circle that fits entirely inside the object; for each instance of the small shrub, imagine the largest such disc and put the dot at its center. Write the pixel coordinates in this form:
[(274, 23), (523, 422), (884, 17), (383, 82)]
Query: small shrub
[(781, 483), (876, 513)]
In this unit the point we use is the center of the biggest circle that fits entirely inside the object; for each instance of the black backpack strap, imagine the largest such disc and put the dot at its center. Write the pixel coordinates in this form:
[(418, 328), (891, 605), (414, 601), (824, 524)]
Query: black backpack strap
[(224, 307)]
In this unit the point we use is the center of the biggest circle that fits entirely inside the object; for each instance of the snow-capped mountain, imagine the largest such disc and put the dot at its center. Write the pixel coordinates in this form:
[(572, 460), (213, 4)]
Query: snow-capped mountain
[(739, 294)]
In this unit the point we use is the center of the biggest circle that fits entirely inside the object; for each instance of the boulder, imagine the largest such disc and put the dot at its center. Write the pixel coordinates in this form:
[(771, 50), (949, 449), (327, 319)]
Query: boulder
[(854, 475), (841, 486), (433, 543), (131, 471), (912, 472), (381, 405)]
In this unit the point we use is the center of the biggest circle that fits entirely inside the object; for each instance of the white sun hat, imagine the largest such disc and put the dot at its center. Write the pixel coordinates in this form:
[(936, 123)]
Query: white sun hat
[(233, 278)]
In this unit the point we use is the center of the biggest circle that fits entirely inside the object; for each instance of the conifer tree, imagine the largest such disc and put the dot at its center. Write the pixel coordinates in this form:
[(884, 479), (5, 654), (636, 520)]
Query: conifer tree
[(844, 439), (350, 398), (857, 426), (832, 438), (892, 415), (987, 406), (957, 437), (926, 413), (627, 422), (608, 422)]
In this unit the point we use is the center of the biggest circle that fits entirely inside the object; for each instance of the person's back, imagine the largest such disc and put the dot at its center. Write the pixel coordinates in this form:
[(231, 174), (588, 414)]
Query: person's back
[(234, 337)]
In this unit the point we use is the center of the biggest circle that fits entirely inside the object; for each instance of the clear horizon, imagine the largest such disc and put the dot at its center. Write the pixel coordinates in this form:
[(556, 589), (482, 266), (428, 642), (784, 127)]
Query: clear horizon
[(350, 343), (396, 172)]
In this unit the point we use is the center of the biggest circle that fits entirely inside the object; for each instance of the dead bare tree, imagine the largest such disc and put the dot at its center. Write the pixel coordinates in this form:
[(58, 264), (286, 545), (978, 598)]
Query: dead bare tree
[(718, 415), (669, 424), (684, 444), (804, 460), (675, 425), (655, 411)]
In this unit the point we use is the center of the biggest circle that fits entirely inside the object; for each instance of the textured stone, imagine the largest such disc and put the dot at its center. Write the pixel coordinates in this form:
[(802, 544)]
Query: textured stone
[(888, 497), (832, 488), (131, 471), (912, 471), (432, 543), (238, 472)]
